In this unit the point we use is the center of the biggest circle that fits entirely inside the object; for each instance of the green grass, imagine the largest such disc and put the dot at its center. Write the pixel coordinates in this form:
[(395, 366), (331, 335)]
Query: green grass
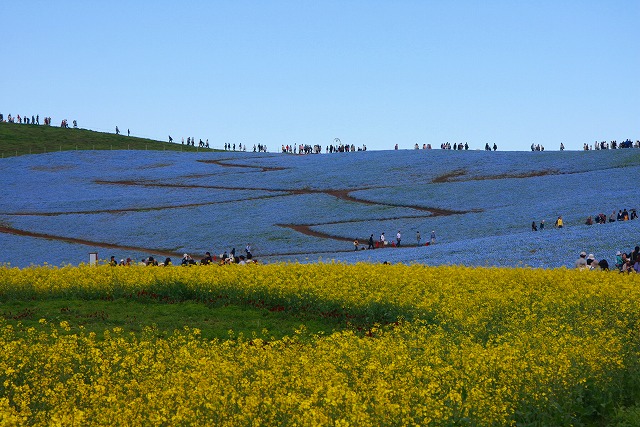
[(19, 139), (214, 321)]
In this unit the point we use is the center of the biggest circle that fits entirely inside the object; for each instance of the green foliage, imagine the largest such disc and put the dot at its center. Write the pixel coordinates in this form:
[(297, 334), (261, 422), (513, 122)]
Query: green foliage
[(20, 139), (133, 316)]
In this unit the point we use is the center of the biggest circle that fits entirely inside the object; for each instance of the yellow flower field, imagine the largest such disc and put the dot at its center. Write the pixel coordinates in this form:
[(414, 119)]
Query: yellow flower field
[(441, 346)]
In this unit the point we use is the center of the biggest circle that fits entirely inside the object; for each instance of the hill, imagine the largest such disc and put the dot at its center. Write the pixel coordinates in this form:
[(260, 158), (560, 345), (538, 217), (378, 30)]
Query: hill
[(19, 139), (60, 206)]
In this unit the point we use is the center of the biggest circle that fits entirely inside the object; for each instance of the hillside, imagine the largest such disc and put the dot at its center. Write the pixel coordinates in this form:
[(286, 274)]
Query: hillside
[(19, 139), (306, 208)]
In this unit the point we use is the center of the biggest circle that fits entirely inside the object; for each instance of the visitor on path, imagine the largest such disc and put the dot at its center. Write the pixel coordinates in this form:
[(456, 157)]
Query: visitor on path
[(542, 225), (370, 242), (418, 237), (117, 131), (398, 238), (533, 226), (247, 250), (355, 245), (433, 237), (382, 240)]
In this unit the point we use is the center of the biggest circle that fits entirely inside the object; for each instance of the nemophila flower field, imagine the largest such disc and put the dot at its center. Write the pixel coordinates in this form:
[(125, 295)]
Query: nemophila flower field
[(446, 345), (306, 208)]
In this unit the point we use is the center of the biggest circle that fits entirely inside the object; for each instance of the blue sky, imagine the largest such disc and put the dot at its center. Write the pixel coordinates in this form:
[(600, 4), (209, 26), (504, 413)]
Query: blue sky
[(306, 72)]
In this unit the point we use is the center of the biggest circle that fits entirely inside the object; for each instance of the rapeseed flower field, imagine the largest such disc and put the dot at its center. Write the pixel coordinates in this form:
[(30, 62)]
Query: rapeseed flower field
[(437, 346)]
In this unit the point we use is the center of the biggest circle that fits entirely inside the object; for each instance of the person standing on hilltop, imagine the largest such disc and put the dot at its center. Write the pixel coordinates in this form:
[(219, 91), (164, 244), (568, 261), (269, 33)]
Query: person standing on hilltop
[(117, 131)]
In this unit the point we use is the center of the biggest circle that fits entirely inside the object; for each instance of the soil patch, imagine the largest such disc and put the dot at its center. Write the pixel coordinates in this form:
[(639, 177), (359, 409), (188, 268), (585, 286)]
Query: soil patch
[(454, 176), (236, 165)]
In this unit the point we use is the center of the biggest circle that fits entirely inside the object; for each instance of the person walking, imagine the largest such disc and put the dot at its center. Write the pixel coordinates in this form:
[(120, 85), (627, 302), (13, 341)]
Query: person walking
[(370, 242), (398, 238), (559, 223), (382, 240), (418, 237), (433, 237)]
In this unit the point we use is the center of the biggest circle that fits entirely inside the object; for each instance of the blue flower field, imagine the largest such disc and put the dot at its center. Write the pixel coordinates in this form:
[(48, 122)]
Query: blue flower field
[(58, 207)]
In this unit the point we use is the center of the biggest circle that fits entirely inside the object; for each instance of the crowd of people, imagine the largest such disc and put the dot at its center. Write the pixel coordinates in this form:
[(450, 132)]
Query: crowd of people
[(622, 215), (26, 120), (384, 242), (601, 218), (192, 142), (559, 223), (317, 148), (447, 146), (455, 146), (612, 145), (625, 262), (336, 147), (187, 260)]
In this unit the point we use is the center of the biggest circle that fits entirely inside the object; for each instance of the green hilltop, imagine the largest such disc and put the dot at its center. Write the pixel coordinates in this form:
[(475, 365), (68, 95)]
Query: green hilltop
[(19, 139)]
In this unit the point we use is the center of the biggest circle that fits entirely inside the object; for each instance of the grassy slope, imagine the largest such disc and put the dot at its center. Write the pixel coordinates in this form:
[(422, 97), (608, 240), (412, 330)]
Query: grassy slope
[(19, 139), (132, 315)]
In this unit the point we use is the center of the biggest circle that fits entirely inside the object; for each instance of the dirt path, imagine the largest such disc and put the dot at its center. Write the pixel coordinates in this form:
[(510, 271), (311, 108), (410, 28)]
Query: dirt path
[(140, 209), (306, 229), (339, 194), (17, 232)]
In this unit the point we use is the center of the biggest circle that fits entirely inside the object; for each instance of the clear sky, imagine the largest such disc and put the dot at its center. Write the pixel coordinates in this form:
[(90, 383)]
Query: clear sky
[(305, 72)]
